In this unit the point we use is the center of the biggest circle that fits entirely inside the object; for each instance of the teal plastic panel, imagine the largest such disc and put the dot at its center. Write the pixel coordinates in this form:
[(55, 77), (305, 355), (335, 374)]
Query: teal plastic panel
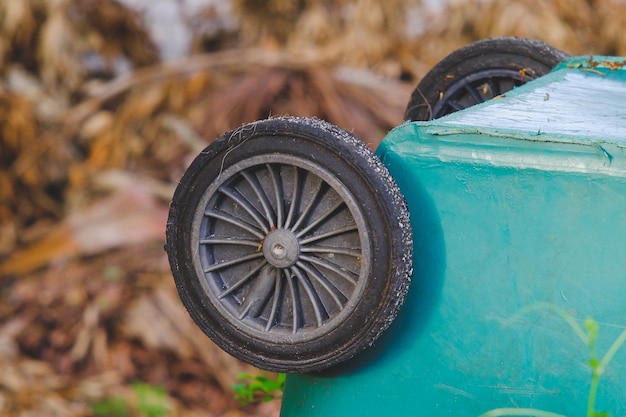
[(518, 201)]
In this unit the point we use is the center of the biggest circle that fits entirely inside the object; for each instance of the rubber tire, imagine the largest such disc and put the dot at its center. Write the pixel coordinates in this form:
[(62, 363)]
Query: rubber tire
[(527, 59), (385, 230)]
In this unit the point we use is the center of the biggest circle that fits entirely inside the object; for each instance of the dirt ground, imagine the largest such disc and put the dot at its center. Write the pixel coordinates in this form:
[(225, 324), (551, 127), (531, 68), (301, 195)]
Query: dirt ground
[(83, 332)]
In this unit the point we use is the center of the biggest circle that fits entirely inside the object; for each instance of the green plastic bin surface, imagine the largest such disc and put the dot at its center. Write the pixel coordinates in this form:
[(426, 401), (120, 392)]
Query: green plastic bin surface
[(514, 202)]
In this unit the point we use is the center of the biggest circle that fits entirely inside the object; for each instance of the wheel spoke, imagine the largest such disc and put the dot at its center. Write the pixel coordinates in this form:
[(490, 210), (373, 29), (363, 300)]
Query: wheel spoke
[(319, 309), (236, 261), (455, 105), (260, 193), (493, 87), (294, 301), (355, 252), (327, 235), (330, 288), (473, 93), (276, 301), (295, 198), (319, 191), (342, 272), (242, 281), (235, 222), (243, 313), (259, 293), (278, 190), (246, 205), (213, 240), (321, 219)]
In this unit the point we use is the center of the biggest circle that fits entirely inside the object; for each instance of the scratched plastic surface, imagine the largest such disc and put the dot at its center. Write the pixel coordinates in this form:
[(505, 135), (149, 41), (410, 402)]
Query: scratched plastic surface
[(517, 201), (583, 99)]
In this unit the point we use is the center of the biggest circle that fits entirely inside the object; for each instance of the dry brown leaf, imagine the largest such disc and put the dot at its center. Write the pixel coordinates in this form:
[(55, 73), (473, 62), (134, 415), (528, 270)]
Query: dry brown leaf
[(96, 124), (150, 319), (578, 27), (161, 322), (130, 216), (114, 30), (17, 27), (59, 50)]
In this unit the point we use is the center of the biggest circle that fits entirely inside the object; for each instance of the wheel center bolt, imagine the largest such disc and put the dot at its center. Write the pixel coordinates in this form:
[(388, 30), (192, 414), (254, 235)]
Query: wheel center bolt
[(279, 251), (281, 248)]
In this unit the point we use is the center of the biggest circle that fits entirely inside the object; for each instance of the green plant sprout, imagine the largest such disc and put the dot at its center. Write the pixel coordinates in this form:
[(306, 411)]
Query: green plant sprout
[(111, 407), (258, 387), (588, 334), (151, 401)]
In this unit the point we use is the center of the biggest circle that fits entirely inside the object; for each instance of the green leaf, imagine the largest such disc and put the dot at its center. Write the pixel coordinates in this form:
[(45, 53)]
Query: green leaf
[(113, 407), (152, 400), (257, 387)]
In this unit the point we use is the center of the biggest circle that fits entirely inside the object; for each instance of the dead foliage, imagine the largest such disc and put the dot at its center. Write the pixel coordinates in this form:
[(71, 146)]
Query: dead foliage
[(95, 133), (578, 27), (363, 33), (63, 42), (150, 120), (66, 344)]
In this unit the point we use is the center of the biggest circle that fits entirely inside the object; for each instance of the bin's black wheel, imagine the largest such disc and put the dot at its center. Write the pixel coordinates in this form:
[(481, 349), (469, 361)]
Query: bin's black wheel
[(290, 244), (478, 72)]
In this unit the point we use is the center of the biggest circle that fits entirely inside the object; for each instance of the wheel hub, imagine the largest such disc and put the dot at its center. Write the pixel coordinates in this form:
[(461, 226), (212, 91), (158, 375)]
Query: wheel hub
[(281, 248)]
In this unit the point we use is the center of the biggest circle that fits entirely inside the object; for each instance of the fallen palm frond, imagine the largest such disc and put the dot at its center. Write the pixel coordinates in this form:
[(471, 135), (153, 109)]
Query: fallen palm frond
[(353, 99)]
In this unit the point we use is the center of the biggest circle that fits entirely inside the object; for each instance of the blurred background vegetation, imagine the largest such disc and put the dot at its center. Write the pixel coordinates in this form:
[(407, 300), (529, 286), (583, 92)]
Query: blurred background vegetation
[(104, 103)]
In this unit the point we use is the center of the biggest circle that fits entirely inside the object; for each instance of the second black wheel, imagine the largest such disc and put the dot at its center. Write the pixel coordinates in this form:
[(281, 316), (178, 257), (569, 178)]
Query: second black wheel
[(479, 72)]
